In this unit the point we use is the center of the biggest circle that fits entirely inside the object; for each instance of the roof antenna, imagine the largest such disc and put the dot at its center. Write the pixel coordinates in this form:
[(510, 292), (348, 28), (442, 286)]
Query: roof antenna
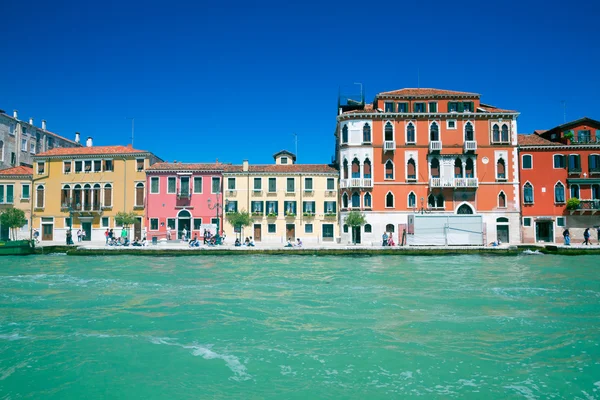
[(132, 128), (564, 103), (296, 143)]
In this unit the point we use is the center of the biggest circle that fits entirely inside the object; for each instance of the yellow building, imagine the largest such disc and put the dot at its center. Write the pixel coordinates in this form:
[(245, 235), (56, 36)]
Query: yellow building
[(286, 200), (15, 191), (85, 188)]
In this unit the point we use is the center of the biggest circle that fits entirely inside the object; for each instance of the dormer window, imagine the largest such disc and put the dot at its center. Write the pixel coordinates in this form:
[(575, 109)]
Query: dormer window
[(284, 160)]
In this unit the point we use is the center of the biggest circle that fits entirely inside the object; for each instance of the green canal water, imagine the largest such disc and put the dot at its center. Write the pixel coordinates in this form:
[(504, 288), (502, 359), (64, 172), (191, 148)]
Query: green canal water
[(299, 327)]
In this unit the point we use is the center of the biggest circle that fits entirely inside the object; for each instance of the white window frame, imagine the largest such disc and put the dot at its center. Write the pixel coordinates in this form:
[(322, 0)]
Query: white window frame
[(312, 184), (393, 131), (408, 200), (347, 200), (158, 179), (532, 192), (505, 200), (211, 184), (229, 179), (564, 158), (167, 189), (385, 178), (22, 186), (135, 187), (32, 147), (465, 129), (448, 124), (393, 200), (416, 179), (157, 224), (36, 196), (523, 163), (24, 148), (261, 184), (364, 202), (194, 184), (411, 122), (564, 193), (102, 195)]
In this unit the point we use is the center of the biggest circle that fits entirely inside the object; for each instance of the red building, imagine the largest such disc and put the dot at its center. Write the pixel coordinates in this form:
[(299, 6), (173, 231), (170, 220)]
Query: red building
[(557, 165)]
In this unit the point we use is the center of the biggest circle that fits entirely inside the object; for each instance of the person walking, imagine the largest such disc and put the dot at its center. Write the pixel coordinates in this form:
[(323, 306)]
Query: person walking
[(106, 234), (69, 237), (79, 235), (184, 234), (384, 239), (598, 232), (586, 236), (124, 235), (168, 233), (567, 237)]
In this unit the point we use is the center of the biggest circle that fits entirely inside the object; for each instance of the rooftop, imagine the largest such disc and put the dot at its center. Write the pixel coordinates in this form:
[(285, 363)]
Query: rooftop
[(534, 140), (90, 151), (422, 92), (177, 166), (285, 168), (20, 170)]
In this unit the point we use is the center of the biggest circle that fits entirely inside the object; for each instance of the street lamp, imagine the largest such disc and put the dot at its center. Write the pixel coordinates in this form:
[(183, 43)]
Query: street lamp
[(216, 207)]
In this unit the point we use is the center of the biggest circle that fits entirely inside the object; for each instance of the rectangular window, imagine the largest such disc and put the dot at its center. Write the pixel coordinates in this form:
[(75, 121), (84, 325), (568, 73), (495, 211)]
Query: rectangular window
[(25, 192), (432, 107), (154, 184), (184, 186), (10, 194), (257, 207), (291, 185), (389, 107), (107, 196), (230, 183), (171, 185), (451, 124), (527, 221), (87, 166), (78, 166), (1, 193), (171, 223), (105, 222), (271, 228), (214, 221), (527, 161), (330, 184), (153, 224), (272, 185), (197, 224), (559, 161), (32, 148), (402, 107), (272, 208), (308, 228), (290, 208), (327, 232), (67, 167), (139, 194), (197, 184), (24, 145), (330, 208), (257, 184), (11, 129), (24, 130), (308, 184), (231, 206), (216, 185), (13, 158), (560, 221), (41, 167), (419, 107), (468, 106), (139, 164), (452, 106), (97, 166), (108, 165), (308, 208)]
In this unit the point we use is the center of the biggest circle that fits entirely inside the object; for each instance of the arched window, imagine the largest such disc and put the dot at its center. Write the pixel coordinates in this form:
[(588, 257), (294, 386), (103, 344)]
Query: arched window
[(139, 194), (504, 133), (355, 168), (440, 200), (96, 197), (412, 200), (108, 195), (367, 169), (431, 200), (528, 193), (502, 220), (367, 133), (434, 131), (575, 191), (411, 170), (65, 196), (345, 169), (367, 200), (559, 193), (469, 132), (464, 209), (355, 200), (368, 228), (469, 171), (496, 133), (40, 197), (87, 197), (389, 169), (389, 200), (184, 214), (410, 133), (77, 197), (502, 200), (458, 167), (345, 134), (500, 169), (389, 132), (389, 228), (345, 200), (435, 168)]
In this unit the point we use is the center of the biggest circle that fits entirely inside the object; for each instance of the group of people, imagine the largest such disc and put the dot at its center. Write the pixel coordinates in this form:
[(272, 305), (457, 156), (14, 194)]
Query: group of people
[(297, 244), (586, 236), (387, 240), (248, 242)]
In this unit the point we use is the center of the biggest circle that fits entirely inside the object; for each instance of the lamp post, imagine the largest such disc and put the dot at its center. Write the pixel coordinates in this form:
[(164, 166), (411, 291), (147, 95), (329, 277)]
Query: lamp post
[(216, 207)]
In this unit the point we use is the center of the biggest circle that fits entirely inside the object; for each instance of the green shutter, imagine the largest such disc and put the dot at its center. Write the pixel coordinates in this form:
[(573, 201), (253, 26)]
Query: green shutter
[(461, 107), (473, 106)]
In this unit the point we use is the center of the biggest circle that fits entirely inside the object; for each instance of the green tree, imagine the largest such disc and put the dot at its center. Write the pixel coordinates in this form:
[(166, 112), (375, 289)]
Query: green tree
[(239, 219), (14, 219), (125, 219), (355, 219)]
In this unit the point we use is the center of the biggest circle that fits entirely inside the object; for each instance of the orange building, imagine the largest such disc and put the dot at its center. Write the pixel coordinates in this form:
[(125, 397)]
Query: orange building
[(430, 152), (557, 165)]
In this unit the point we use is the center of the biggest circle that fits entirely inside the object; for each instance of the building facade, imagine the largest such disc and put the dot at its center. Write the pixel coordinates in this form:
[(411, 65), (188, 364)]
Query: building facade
[(428, 152), (183, 197), (286, 200), (85, 187), (15, 191), (557, 165), (20, 141)]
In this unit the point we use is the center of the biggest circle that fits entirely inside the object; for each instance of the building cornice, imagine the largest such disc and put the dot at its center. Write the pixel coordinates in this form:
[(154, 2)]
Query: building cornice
[(91, 156), (561, 147), (427, 96), (407, 116)]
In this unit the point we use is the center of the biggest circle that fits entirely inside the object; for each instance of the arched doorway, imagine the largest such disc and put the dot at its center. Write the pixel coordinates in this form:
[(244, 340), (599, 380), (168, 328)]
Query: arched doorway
[(465, 209), (502, 232), (184, 219)]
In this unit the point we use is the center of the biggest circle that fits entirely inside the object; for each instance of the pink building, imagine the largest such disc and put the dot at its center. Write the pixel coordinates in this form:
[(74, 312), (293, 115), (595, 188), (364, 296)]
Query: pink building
[(183, 198)]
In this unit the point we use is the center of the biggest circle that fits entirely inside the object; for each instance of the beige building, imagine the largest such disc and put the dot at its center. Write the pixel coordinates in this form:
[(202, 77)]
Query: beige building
[(285, 199), (15, 191), (85, 188)]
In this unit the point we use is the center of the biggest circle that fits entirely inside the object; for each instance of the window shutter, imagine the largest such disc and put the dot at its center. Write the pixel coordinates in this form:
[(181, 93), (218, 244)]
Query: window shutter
[(461, 106)]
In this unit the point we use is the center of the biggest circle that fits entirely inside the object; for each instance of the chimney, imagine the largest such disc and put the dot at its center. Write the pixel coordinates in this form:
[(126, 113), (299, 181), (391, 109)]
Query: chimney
[(88, 142), (15, 114), (43, 124), (30, 121), (245, 165), (77, 137)]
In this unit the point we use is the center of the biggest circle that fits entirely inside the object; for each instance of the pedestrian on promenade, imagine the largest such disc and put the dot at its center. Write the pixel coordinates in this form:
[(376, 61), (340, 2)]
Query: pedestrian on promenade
[(69, 237), (79, 235), (384, 239), (205, 236), (106, 235), (586, 236), (567, 237), (123, 235), (82, 235), (598, 232), (184, 234), (168, 233)]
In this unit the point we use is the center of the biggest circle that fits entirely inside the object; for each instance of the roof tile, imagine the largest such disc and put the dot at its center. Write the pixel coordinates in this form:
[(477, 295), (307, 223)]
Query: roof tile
[(427, 92), (535, 140), (282, 169), (91, 151), (20, 170), (166, 166)]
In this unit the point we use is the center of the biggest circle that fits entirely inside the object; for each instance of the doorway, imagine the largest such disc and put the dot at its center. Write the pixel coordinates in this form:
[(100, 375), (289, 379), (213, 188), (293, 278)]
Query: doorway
[(87, 228), (257, 232), (356, 234), (544, 231), (137, 228), (502, 230), (290, 232), (4, 232), (183, 222), (47, 230)]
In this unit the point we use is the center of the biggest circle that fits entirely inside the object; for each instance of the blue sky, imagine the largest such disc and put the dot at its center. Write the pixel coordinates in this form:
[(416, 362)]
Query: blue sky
[(235, 81)]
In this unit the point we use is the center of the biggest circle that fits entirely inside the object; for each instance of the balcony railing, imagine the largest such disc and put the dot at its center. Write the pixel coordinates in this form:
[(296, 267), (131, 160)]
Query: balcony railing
[(470, 145), (443, 182), (389, 145), (435, 145), (589, 205), (574, 170), (184, 194), (466, 182), (594, 170), (356, 182)]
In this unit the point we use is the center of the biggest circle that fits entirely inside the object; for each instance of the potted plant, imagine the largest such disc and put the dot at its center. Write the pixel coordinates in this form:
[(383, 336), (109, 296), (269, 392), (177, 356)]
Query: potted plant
[(308, 214), (290, 214), (573, 203), (569, 135), (330, 214), (271, 214)]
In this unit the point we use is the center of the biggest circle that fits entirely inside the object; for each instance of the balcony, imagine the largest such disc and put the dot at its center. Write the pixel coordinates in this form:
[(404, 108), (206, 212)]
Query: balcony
[(443, 182), (389, 145), (466, 182), (574, 170), (183, 194), (435, 145), (356, 183), (592, 206), (470, 145), (594, 170)]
